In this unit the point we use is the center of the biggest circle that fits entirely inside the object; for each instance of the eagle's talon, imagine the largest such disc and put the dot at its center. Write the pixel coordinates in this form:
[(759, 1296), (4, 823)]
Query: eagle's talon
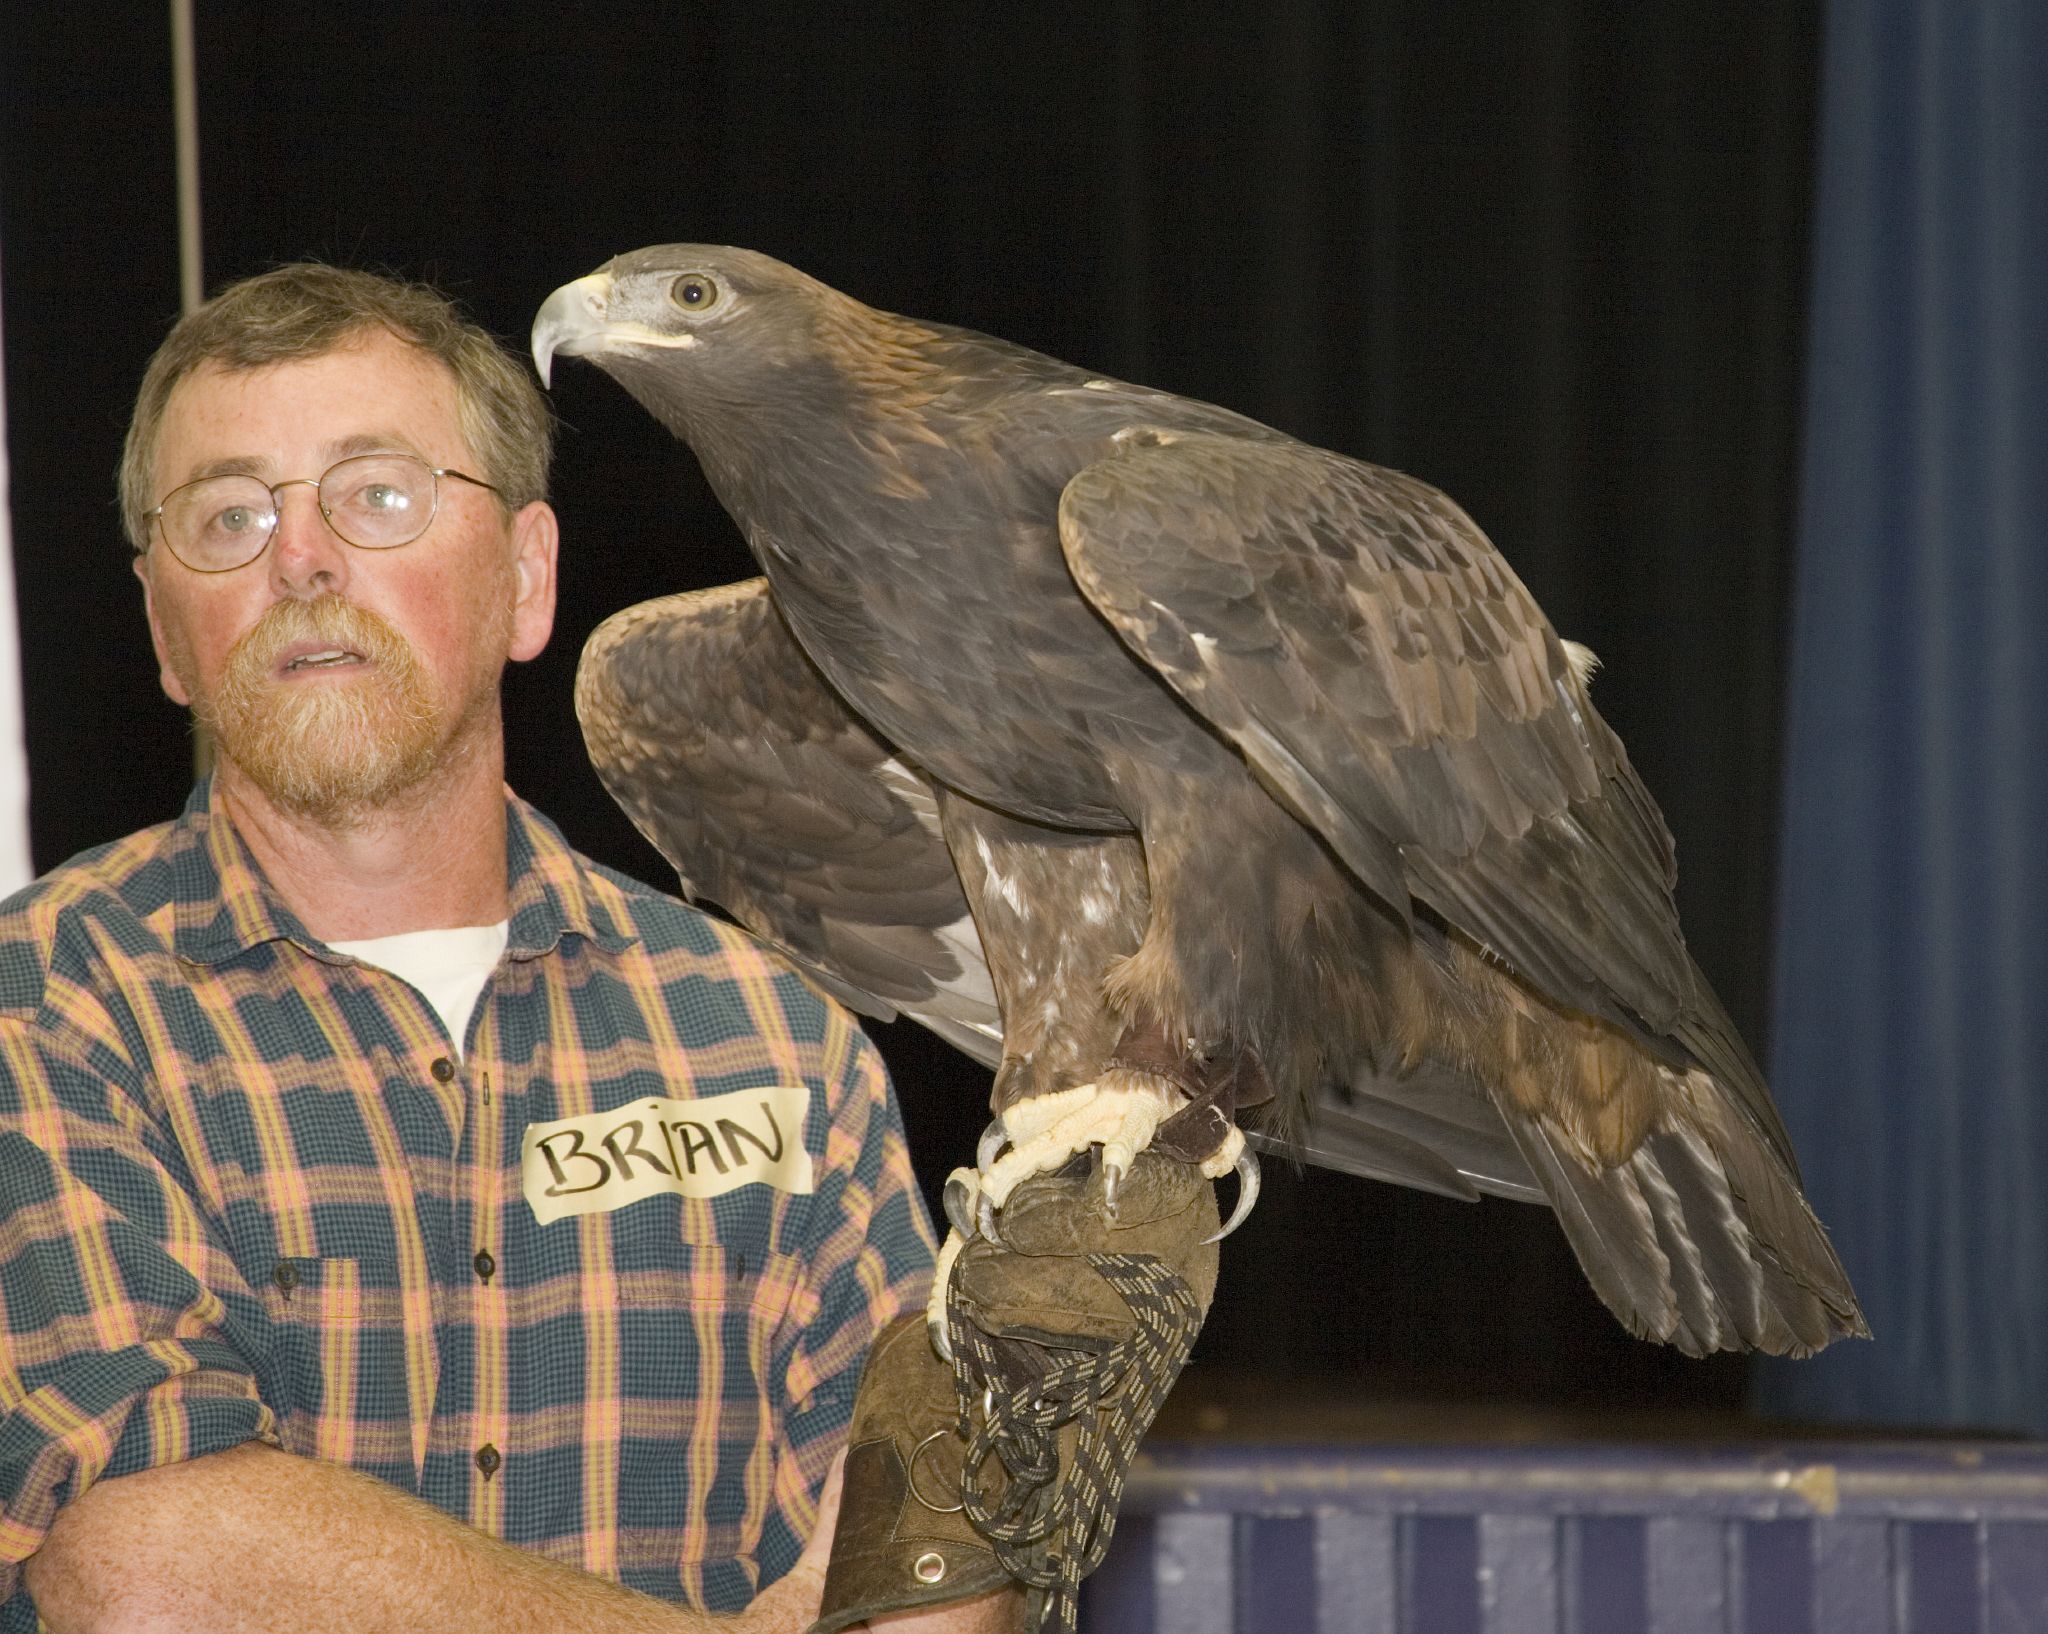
[(935, 1301), (1247, 1167), (1112, 1184), (1120, 1114), (1119, 1154), (993, 1139), (962, 1192)]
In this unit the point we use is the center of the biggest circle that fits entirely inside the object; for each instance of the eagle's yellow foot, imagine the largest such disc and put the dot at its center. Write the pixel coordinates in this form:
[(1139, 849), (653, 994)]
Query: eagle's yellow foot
[(1226, 1157), (942, 1276), (1118, 1112)]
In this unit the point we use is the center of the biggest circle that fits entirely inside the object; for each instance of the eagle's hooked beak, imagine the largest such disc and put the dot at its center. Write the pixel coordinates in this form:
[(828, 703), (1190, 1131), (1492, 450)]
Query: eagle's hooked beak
[(571, 322)]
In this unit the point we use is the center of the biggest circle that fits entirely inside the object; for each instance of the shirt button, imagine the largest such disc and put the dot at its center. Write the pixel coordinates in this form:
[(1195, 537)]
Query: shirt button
[(286, 1276), (484, 1264), (443, 1069), (487, 1460)]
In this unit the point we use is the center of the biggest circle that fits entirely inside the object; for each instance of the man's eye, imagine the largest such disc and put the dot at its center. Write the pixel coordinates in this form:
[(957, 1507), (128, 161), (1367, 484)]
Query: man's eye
[(381, 499), (236, 519)]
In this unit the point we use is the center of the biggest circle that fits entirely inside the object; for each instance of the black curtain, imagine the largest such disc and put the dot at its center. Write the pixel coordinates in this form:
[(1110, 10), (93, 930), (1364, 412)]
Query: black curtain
[(1547, 256)]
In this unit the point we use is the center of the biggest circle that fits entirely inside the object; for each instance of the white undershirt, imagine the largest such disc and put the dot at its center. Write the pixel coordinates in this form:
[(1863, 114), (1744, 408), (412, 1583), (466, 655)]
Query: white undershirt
[(449, 967)]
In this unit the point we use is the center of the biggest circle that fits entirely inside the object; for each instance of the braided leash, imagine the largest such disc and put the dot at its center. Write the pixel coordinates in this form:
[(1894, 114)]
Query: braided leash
[(1050, 1532)]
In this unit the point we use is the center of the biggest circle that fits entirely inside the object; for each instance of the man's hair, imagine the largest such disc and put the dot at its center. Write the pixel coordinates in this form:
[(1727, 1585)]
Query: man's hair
[(307, 310)]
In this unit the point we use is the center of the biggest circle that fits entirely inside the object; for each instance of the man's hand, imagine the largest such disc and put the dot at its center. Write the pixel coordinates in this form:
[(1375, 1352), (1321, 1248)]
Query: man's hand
[(999, 1612), (791, 1602)]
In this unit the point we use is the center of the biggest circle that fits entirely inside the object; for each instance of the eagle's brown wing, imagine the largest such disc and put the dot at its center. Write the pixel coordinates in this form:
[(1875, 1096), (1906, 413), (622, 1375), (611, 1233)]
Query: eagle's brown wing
[(739, 763), (1377, 661), (1391, 682)]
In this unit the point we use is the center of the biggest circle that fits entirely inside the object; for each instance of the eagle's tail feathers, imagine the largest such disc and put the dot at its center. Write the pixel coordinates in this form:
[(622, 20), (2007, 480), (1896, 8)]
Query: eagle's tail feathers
[(1612, 1230), (1699, 1242)]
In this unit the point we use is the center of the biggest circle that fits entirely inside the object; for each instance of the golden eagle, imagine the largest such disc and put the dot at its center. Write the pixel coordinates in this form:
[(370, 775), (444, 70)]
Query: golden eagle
[(1175, 767)]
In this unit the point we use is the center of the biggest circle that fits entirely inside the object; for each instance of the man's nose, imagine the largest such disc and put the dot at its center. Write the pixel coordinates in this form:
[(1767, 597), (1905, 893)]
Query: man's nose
[(307, 557)]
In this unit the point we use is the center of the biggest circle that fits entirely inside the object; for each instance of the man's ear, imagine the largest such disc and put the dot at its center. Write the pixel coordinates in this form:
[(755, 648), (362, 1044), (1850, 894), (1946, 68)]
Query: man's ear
[(167, 677), (536, 536)]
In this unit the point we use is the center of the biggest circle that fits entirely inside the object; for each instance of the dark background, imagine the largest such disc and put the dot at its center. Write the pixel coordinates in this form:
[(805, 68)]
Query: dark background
[(1547, 256)]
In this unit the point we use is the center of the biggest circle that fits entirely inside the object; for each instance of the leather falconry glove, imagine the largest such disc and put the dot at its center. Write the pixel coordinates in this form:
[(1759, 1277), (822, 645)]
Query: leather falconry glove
[(1067, 1334)]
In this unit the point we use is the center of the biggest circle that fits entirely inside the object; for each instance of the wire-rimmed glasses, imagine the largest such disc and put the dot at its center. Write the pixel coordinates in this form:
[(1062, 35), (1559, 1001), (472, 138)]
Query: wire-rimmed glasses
[(371, 501)]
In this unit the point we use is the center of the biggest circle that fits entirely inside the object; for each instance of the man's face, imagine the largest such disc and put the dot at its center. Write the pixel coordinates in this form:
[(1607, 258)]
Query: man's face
[(340, 680)]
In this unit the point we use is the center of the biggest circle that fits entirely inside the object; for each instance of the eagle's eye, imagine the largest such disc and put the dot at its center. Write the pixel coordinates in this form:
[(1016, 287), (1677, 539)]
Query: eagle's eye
[(693, 292)]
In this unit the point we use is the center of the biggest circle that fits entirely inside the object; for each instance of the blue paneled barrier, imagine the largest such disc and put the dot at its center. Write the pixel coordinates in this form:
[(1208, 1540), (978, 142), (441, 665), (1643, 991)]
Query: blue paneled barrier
[(1815, 1538)]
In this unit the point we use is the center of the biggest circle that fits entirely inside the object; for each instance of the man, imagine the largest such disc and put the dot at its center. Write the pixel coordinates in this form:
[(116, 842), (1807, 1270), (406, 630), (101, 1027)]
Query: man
[(379, 1179)]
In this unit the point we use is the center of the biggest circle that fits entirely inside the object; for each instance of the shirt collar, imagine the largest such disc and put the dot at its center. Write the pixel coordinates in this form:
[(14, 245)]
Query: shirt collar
[(550, 889), (224, 906)]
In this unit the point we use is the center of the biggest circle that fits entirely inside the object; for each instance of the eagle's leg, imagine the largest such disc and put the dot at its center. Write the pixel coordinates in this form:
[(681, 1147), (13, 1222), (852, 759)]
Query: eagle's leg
[(1058, 911), (1226, 934), (1233, 885)]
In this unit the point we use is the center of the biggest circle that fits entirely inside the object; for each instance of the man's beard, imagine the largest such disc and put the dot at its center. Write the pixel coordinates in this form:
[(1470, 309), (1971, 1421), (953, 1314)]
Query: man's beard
[(332, 753)]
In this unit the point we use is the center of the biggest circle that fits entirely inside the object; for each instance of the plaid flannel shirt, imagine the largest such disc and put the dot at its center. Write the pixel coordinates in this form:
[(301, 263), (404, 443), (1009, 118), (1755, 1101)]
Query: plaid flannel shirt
[(248, 1192)]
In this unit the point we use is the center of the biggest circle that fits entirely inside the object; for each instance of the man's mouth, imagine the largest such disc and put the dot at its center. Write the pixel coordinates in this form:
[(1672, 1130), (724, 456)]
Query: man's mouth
[(322, 658)]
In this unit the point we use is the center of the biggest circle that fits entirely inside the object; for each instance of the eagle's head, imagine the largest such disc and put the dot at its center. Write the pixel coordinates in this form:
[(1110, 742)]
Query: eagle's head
[(701, 333)]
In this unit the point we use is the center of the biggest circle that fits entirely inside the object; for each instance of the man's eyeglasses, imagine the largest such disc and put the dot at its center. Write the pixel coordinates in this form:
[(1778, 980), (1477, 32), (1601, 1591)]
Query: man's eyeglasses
[(371, 501)]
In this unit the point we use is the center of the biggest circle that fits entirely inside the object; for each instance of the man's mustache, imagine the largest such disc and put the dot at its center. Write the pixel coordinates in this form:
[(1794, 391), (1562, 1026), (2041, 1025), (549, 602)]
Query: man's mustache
[(331, 620)]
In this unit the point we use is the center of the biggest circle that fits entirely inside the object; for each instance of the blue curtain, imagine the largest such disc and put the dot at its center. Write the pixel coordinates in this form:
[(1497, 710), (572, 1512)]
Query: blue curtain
[(1911, 1014)]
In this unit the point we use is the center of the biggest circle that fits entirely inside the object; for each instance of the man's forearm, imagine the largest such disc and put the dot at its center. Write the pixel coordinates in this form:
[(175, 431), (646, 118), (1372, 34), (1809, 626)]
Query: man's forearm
[(253, 1540)]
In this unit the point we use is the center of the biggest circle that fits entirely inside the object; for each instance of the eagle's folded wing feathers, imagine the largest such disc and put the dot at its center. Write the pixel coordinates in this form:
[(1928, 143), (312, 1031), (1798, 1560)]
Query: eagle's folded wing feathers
[(730, 753)]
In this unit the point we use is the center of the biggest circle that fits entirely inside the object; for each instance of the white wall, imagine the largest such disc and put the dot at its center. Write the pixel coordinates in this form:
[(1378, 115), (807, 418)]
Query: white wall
[(14, 855)]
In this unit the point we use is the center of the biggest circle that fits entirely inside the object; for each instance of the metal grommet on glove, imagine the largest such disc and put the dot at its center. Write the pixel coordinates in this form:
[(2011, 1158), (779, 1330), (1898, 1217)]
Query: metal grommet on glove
[(929, 1567)]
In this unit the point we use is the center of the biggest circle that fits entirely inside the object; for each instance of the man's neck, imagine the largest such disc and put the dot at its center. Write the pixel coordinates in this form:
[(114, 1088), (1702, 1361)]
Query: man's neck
[(432, 861)]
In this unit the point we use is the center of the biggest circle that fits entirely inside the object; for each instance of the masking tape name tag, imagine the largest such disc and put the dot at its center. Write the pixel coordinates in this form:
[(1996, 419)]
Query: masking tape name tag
[(604, 1160)]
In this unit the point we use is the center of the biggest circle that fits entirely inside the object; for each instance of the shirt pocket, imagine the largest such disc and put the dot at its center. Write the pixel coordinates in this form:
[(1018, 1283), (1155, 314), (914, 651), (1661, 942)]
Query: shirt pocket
[(336, 1374)]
